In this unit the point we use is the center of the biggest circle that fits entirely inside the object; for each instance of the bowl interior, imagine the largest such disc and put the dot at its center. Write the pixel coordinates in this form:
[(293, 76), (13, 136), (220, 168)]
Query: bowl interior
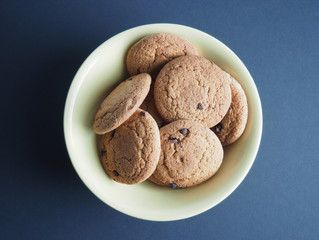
[(98, 75)]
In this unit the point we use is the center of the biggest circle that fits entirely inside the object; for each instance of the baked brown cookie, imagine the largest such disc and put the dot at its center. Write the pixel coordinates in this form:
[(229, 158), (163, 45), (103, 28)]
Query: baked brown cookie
[(121, 103), (152, 52), (149, 106), (190, 154), (192, 87), (233, 124), (131, 152)]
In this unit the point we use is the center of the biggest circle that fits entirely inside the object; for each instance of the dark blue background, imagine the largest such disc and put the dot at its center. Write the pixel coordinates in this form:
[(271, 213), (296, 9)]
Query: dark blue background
[(43, 43)]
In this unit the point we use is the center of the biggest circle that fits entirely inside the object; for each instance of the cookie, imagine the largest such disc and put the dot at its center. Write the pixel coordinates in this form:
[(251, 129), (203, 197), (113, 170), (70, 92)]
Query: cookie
[(233, 124), (149, 106), (190, 154), (152, 52), (192, 87), (121, 103), (130, 153)]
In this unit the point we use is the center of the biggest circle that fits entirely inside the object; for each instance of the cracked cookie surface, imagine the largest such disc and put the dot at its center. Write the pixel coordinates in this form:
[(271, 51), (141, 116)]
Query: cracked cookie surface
[(192, 87), (233, 124), (190, 154), (130, 153), (121, 103), (152, 52)]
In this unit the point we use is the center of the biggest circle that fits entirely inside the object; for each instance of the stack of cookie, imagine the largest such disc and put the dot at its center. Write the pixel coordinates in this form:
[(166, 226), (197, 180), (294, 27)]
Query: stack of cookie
[(170, 120)]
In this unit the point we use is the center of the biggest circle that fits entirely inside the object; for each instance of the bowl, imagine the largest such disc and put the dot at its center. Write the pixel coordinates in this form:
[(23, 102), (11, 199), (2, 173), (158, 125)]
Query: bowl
[(98, 75)]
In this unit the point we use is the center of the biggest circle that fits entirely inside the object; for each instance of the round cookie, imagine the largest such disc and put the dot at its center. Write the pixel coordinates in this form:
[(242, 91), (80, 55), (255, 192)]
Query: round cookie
[(130, 153), (233, 124), (121, 103), (192, 87), (152, 52), (149, 106), (190, 154)]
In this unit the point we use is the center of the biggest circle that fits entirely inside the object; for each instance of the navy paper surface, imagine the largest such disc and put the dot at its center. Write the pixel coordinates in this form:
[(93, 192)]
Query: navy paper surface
[(43, 43)]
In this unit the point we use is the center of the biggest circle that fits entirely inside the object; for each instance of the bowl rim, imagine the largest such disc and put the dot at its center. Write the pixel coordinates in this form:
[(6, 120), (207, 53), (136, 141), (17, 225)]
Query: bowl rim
[(67, 121)]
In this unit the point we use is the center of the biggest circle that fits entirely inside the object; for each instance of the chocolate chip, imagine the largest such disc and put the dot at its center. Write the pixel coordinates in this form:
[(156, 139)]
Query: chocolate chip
[(103, 152), (174, 185), (184, 131), (116, 173), (230, 107), (143, 113), (213, 108), (173, 140), (218, 127), (200, 106)]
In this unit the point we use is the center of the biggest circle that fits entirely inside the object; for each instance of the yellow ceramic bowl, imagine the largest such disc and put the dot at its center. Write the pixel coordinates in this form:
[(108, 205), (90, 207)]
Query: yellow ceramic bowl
[(98, 75)]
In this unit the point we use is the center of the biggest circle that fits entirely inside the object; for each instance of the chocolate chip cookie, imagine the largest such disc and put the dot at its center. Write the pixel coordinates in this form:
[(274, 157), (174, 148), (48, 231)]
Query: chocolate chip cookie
[(190, 154), (233, 124), (130, 153), (121, 103), (192, 87), (152, 52), (149, 106)]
